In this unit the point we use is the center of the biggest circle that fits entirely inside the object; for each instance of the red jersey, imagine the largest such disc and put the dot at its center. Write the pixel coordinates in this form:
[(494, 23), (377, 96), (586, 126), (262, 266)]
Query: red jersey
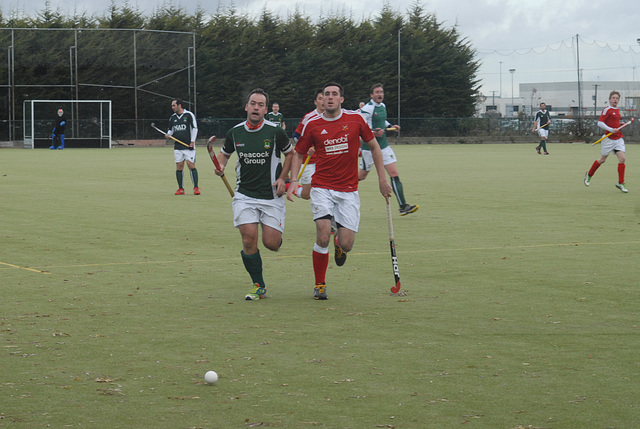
[(300, 127), (337, 141), (611, 117)]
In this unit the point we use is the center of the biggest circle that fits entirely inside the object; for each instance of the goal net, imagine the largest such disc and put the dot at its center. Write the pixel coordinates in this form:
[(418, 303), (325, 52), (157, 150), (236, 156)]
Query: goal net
[(88, 123)]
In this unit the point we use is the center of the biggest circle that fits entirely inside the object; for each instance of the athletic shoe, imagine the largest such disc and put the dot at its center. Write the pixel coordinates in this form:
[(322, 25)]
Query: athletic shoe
[(258, 292), (546, 153), (320, 291), (538, 150), (196, 190), (61, 147), (340, 255), (180, 191), (408, 208), (52, 147), (587, 179), (621, 187)]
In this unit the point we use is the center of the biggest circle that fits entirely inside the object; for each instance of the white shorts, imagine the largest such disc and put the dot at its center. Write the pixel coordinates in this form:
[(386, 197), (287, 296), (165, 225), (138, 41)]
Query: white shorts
[(184, 155), (366, 161), (254, 210), (307, 174), (343, 206), (609, 145), (544, 134)]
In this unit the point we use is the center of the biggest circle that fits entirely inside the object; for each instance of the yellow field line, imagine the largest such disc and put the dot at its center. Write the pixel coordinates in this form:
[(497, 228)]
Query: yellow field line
[(24, 268), (462, 249)]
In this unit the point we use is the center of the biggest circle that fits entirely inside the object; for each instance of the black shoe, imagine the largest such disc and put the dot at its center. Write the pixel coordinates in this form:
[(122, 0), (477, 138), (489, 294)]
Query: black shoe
[(408, 208), (340, 255)]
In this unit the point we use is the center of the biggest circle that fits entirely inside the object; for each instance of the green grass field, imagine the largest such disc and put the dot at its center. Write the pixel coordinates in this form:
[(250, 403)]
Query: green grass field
[(521, 306)]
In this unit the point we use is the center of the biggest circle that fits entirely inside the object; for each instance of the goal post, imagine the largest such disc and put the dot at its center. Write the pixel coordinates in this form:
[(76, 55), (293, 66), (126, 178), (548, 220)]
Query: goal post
[(88, 123)]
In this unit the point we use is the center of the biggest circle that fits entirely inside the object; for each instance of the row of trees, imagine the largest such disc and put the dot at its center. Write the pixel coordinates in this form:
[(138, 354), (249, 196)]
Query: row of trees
[(289, 57)]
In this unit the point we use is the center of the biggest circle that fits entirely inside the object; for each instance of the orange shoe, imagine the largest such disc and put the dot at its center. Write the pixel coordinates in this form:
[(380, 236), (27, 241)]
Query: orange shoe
[(196, 190), (180, 191)]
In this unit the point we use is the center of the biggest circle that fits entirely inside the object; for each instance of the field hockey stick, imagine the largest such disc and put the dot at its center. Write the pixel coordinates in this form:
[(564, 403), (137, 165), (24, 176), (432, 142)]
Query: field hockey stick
[(171, 137), (541, 126), (306, 161), (394, 258), (217, 165), (608, 134)]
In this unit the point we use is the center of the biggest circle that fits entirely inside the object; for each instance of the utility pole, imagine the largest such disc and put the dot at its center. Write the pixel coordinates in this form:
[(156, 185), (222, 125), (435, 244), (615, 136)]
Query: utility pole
[(595, 101)]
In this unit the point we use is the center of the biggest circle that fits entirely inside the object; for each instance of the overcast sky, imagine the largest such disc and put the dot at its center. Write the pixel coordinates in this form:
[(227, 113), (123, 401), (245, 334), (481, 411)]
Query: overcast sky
[(536, 38)]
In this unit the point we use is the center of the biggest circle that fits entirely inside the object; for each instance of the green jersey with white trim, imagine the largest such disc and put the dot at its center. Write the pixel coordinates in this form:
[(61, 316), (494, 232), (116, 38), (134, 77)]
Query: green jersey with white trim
[(276, 118), (259, 151), (183, 128), (376, 116)]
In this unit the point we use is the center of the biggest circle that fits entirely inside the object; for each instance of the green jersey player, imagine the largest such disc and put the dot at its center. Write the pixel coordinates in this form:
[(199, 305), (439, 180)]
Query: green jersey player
[(375, 113), (183, 127), (276, 117), (260, 182)]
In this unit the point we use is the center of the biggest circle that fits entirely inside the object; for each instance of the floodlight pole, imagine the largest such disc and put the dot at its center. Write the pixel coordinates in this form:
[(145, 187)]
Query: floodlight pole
[(512, 105)]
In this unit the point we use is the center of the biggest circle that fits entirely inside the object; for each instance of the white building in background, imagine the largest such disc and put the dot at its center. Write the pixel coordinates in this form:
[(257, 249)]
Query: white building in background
[(562, 100)]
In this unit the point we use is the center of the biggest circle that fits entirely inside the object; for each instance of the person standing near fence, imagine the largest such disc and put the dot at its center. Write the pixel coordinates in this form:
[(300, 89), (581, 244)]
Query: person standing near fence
[(541, 125), (58, 131), (183, 127), (276, 117)]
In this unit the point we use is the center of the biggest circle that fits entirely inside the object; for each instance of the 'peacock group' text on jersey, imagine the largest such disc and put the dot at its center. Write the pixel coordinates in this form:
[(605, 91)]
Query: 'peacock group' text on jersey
[(376, 116), (611, 117), (259, 151), (183, 128), (337, 141), (276, 118)]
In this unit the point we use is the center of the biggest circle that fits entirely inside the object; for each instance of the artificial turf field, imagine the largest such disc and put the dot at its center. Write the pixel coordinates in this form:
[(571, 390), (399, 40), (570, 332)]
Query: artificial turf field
[(520, 303)]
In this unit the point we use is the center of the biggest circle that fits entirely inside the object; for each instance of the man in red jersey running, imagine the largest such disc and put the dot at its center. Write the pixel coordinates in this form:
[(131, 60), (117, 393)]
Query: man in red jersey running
[(335, 135), (610, 122)]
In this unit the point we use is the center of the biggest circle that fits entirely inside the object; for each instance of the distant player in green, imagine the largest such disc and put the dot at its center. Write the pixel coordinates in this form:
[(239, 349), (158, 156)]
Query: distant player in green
[(375, 114), (541, 125), (276, 117), (183, 127), (259, 200)]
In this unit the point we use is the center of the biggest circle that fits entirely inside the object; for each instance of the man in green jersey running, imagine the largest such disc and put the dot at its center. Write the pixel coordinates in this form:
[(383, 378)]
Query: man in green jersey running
[(375, 114), (276, 117), (258, 200)]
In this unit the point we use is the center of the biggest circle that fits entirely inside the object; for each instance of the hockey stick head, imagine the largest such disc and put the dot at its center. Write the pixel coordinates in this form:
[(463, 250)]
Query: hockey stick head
[(212, 154), (153, 125)]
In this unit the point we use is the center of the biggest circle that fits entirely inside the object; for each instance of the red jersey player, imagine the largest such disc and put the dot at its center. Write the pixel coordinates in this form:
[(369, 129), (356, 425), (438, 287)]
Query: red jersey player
[(335, 135), (304, 181), (610, 121)]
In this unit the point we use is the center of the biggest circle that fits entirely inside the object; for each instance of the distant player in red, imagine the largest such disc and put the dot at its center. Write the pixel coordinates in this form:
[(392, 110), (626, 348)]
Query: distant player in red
[(305, 179), (335, 135), (610, 122)]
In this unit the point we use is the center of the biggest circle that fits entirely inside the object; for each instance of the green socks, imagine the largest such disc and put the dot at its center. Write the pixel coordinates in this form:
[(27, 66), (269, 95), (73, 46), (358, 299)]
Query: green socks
[(253, 265)]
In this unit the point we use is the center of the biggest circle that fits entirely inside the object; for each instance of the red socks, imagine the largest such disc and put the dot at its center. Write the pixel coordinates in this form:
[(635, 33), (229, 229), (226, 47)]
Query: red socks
[(320, 264), (621, 173), (594, 167)]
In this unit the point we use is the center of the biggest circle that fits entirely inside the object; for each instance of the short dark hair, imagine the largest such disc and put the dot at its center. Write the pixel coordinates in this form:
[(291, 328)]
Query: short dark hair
[(261, 92), (333, 84), (318, 91), (179, 102), (374, 86)]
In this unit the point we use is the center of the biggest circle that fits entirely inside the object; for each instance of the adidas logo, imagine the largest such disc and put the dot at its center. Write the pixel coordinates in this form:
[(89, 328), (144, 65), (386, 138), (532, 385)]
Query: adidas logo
[(324, 132)]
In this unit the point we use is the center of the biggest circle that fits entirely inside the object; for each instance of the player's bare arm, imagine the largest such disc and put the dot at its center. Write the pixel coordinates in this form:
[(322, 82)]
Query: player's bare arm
[(223, 160), (286, 167)]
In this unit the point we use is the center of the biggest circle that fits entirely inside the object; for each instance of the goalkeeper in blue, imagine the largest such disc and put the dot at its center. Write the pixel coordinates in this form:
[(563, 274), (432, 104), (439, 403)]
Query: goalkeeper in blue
[(57, 135)]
